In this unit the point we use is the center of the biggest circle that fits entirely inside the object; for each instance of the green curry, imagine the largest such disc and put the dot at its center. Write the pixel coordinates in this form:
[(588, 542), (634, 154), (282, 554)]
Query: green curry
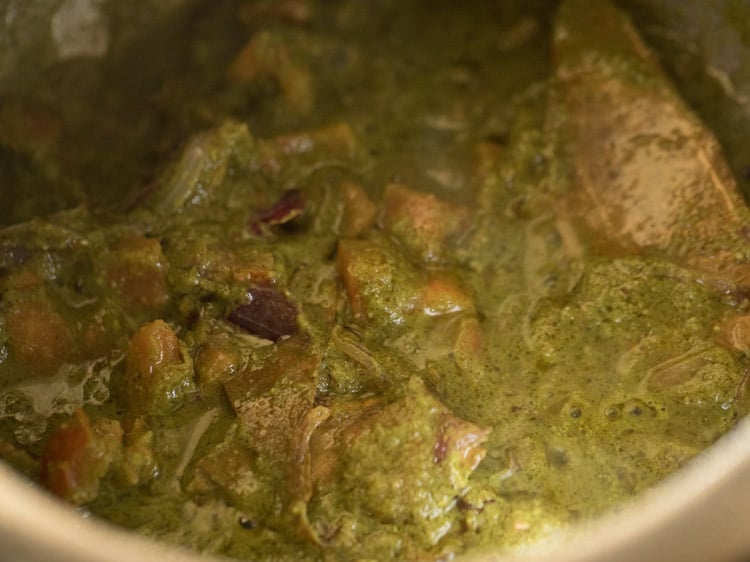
[(392, 299)]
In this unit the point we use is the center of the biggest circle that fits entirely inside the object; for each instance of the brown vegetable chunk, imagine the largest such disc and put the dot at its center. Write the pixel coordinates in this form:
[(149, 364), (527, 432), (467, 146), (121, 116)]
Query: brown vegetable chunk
[(78, 455), (735, 333), (266, 55), (359, 210), (157, 374), (139, 462), (379, 285), (443, 295), (215, 360), (39, 337), (422, 222), (647, 173), (137, 271), (330, 143), (406, 462), (271, 399), (274, 402)]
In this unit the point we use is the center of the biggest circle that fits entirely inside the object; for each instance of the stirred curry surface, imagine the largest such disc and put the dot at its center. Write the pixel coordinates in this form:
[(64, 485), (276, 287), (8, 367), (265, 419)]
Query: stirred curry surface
[(403, 280)]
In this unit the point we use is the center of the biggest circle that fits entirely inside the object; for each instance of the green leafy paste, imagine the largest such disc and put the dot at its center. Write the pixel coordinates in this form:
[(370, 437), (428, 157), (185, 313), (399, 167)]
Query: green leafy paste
[(409, 286)]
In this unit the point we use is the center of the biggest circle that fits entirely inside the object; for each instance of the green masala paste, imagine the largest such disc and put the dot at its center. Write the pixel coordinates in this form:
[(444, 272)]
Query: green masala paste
[(370, 280)]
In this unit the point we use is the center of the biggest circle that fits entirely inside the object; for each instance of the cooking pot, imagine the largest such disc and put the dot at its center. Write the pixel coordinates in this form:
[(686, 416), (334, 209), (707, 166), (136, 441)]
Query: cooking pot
[(702, 513)]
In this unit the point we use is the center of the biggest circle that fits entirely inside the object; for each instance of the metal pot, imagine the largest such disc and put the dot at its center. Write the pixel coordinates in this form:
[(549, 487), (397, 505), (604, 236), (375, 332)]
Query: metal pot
[(702, 513)]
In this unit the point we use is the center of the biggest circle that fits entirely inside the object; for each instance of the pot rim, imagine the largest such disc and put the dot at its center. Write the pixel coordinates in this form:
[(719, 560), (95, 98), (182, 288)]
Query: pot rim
[(700, 513)]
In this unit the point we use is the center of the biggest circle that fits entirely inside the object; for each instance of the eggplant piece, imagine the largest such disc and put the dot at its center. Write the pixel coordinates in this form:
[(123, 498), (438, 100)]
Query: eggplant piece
[(268, 314), (289, 207), (642, 170)]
